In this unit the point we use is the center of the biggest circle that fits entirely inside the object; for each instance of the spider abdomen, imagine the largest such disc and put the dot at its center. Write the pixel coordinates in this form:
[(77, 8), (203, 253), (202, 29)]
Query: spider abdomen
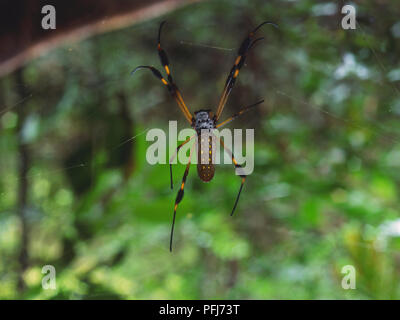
[(205, 171)]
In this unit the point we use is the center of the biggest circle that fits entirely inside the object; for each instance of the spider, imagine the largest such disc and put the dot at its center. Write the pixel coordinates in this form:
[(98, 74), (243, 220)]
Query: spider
[(204, 121)]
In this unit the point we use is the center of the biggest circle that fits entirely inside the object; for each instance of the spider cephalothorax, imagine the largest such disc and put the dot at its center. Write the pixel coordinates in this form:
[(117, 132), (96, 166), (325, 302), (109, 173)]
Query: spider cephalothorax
[(204, 120)]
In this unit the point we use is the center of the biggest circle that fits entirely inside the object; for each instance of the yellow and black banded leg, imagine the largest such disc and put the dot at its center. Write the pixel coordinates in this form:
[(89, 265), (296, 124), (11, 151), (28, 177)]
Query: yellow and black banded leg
[(242, 177), (246, 45), (165, 63), (171, 88), (237, 114), (163, 55), (179, 198), (170, 84), (174, 155)]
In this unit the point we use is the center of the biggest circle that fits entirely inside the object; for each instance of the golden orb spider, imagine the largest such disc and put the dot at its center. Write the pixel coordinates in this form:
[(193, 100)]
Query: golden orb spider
[(204, 120)]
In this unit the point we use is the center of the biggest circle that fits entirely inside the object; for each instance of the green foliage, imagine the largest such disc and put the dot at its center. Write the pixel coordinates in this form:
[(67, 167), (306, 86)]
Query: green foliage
[(324, 193)]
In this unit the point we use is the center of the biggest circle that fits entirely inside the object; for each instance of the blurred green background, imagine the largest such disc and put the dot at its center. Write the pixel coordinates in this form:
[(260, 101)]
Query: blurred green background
[(76, 191)]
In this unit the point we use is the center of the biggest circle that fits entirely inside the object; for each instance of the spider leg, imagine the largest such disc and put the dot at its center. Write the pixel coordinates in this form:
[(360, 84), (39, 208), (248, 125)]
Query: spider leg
[(165, 63), (175, 154), (171, 88), (245, 109), (242, 177), (179, 198), (170, 84), (246, 45)]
